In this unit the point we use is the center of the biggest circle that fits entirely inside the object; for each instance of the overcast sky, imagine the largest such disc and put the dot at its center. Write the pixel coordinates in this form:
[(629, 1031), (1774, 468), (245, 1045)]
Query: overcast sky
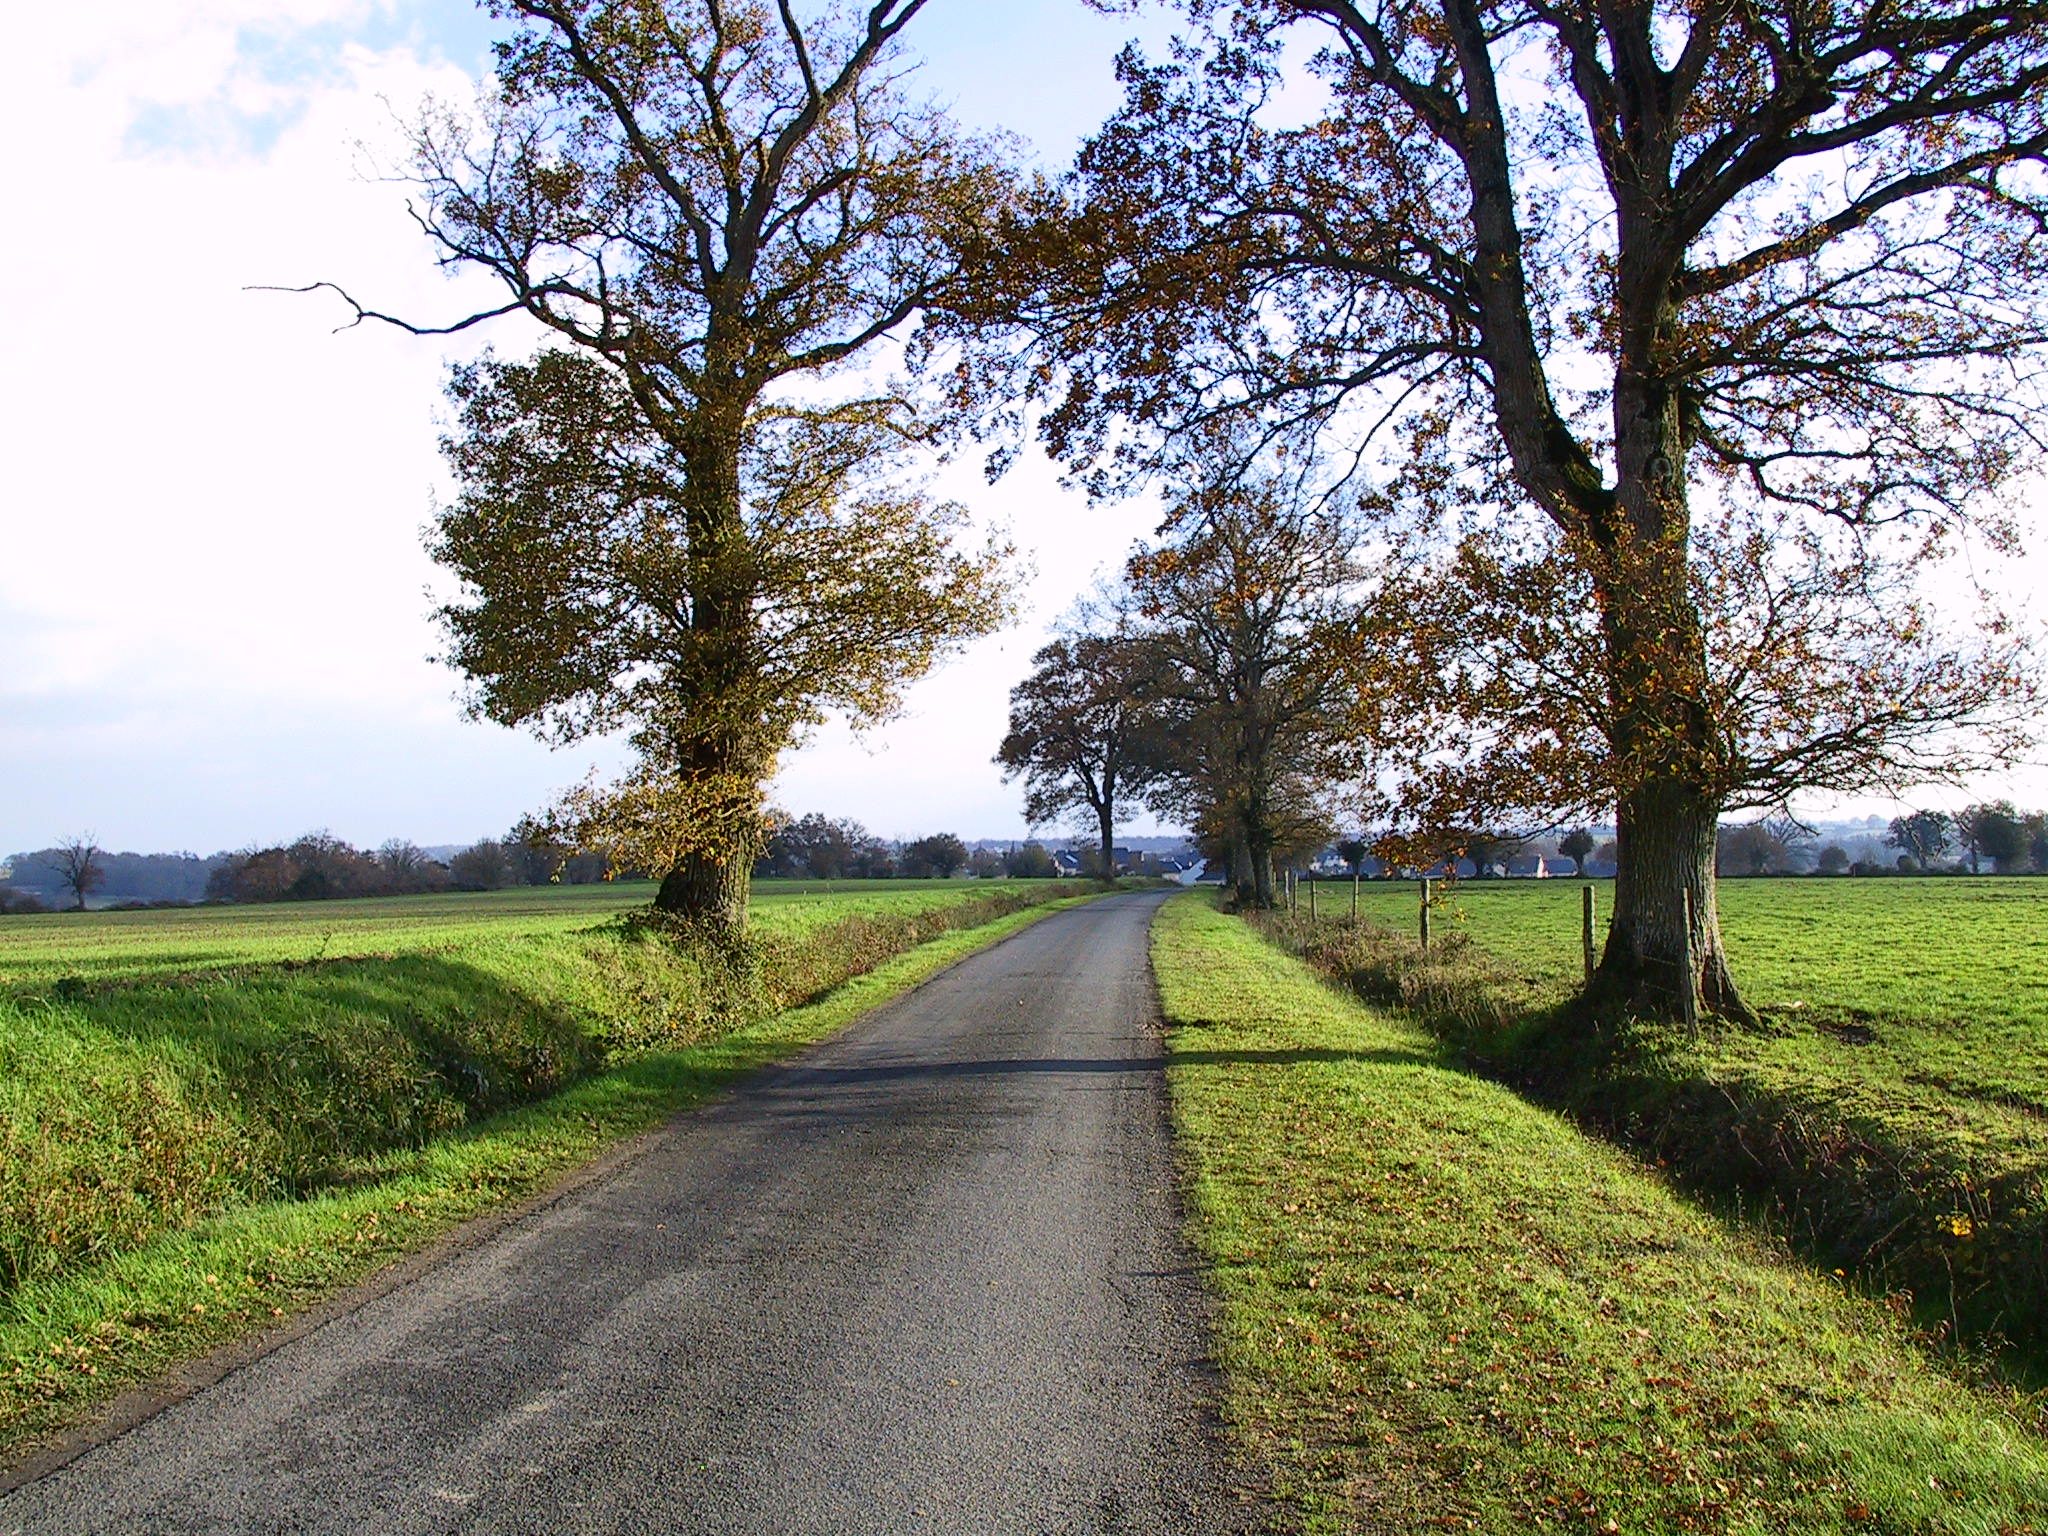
[(213, 600)]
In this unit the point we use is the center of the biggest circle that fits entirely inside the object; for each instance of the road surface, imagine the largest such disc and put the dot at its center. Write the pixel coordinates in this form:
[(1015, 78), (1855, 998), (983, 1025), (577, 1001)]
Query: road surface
[(925, 1278)]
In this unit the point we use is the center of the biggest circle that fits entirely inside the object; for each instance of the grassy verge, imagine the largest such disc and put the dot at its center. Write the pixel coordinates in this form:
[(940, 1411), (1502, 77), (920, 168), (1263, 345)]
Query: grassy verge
[(1445, 1307), (71, 1341), (1907, 1148), (133, 1104)]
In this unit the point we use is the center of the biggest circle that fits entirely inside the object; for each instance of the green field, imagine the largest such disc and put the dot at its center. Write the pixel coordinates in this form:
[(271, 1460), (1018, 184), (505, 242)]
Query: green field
[(1893, 1108), (1946, 951), (36, 951), (1445, 1307)]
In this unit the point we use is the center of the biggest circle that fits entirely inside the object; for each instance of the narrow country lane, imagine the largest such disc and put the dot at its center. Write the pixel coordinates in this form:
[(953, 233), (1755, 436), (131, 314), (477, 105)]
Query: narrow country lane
[(926, 1278)]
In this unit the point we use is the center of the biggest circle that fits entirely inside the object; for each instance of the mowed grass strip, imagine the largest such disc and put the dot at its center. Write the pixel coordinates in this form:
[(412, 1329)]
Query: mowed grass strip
[(1893, 1108), (71, 1341), (1444, 1307)]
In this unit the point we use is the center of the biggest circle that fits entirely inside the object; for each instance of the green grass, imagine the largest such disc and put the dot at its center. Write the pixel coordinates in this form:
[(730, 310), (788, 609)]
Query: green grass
[(139, 1095), (37, 952), (1893, 1110), (1445, 1307), (1933, 954), (70, 1341)]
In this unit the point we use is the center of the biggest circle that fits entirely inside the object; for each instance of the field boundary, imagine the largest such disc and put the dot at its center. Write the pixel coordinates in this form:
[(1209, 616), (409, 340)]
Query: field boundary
[(510, 1173)]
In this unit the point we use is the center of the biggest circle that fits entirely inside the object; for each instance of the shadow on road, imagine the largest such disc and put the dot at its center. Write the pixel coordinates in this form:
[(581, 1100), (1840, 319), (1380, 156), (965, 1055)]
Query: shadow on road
[(1077, 1065)]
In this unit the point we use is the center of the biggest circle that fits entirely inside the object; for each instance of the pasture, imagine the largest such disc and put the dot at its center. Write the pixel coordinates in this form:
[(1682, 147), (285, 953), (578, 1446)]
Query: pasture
[(1942, 950), (103, 946), (1891, 1110)]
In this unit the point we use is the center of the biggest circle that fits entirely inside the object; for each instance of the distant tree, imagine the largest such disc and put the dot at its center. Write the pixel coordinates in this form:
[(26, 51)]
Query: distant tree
[(1999, 833), (16, 903), (1792, 835), (329, 867), (939, 857), (1749, 848), (1488, 852), (252, 875), (405, 865), (815, 847), (536, 857), (1575, 845), (1078, 727), (1352, 850), (871, 859), (1922, 837), (483, 866), (2037, 842), (985, 864), (1834, 859), (76, 862), (1031, 862), (1250, 608), (585, 867)]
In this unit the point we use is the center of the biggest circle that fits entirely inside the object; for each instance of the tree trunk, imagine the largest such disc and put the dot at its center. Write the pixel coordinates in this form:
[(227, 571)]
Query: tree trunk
[(709, 892), (1664, 955), (1106, 827), (718, 745), (1262, 874)]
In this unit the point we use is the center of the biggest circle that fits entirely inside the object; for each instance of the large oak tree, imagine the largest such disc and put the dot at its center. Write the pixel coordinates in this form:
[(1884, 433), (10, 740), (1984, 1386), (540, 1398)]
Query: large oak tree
[(1674, 258), (685, 517)]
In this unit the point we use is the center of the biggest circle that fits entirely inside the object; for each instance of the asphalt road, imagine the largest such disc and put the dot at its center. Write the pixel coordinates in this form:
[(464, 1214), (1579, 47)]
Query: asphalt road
[(926, 1278)]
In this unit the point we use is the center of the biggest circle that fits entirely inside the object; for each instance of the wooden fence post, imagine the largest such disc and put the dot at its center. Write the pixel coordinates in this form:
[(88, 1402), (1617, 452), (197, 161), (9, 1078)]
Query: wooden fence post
[(1354, 895), (1311, 898), (1586, 930), (1425, 911)]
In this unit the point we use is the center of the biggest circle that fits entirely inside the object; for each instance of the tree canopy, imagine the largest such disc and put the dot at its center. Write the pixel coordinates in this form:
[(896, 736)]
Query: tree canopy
[(683, 516), (1701, 304)]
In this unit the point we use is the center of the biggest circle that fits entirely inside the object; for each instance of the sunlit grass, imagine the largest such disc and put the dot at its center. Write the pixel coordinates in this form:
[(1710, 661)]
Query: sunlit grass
[(1445, 1307), (40, 950), (1892, 1112)]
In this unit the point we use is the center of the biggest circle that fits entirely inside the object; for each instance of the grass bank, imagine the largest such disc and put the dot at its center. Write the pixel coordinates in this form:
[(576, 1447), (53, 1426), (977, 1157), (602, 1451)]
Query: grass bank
[(161, 1197), (1444, 1307), (1890, 1114)]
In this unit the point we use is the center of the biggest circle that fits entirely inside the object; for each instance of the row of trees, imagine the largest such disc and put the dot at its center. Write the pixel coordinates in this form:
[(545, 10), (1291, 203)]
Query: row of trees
[(1682, 339), (1993, 832), (2011, 839), (819, 848), (69, 872), (321, 866)]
